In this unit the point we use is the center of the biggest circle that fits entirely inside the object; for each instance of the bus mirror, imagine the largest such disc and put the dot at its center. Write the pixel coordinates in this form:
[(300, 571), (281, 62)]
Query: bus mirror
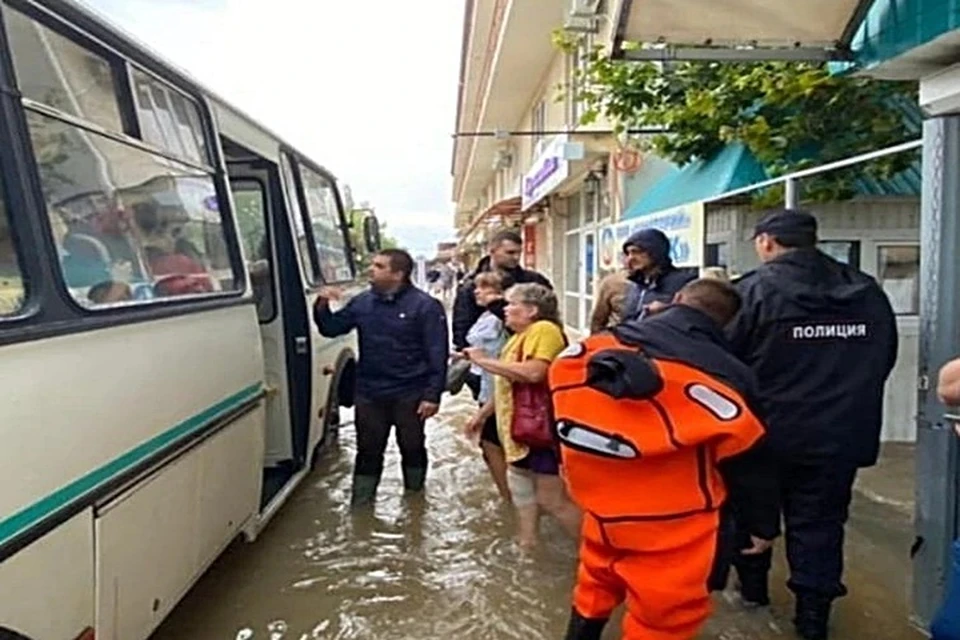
[(371, 234)]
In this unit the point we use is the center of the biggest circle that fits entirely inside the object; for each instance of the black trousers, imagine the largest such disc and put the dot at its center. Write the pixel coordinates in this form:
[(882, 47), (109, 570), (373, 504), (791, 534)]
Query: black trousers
[(374, 420), (815, 499)]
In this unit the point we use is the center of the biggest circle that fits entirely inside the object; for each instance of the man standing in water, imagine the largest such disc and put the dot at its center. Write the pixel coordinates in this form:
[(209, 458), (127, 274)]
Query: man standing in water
[(402, 369)]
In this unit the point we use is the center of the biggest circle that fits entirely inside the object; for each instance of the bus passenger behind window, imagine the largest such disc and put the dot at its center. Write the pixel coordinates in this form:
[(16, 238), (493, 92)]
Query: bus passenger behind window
[(169, 253), (109, 292)]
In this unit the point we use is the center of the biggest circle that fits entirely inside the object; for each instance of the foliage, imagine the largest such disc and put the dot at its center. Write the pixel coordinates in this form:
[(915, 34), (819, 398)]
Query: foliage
[(248, 208), (790, 115), (363, 257)]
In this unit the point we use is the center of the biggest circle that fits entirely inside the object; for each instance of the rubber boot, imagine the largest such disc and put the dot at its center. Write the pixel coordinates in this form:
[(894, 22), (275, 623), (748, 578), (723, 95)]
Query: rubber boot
[(812, 616), (364, 490), (581, 628), (754, 590), (414, 478)]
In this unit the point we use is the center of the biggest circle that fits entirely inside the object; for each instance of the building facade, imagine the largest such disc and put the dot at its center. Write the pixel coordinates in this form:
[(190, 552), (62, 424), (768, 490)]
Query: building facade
[(521, 158)]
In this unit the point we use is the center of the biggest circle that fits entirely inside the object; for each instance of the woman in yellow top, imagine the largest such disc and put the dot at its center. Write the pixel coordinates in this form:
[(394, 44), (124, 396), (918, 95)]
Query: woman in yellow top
[(533, 316)]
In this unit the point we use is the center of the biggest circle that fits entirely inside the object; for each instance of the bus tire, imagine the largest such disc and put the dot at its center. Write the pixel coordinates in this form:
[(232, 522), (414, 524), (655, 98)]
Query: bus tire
[(346, 383), (341, 390)]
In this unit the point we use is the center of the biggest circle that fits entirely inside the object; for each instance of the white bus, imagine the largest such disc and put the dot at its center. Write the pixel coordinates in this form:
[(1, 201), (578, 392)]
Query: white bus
[(163, 386)]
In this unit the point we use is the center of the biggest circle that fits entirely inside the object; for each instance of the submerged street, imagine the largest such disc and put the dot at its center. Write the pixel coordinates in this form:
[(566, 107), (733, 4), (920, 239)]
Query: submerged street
[(445, 566)]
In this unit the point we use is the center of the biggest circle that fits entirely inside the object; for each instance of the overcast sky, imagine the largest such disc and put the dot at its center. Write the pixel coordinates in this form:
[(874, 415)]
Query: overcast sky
[(365, 87)]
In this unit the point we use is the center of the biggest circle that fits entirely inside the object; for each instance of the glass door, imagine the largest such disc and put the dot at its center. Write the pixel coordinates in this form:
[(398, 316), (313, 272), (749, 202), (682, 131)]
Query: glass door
[(589, 275)]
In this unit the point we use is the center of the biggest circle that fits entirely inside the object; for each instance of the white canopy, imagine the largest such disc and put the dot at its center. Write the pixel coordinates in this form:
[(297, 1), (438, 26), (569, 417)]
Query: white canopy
[(798, 29)]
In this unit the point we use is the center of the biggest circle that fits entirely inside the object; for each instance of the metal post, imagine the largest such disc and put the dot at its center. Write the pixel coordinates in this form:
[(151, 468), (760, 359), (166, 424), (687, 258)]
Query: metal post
[(937, 465), (792, 194)]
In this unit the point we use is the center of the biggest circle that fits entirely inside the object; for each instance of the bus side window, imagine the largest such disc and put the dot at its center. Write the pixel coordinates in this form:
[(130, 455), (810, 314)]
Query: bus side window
[(124, 216), (325, 225), (129, 224), (296, 215), (11, 282)]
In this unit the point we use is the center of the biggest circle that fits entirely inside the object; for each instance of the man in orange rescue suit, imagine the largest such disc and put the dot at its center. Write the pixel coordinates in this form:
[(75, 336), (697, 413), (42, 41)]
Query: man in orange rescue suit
[(655, 430)]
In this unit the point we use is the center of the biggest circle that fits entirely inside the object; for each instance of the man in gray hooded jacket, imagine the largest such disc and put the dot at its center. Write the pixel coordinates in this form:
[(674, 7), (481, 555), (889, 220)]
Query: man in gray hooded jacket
[(653, 277)]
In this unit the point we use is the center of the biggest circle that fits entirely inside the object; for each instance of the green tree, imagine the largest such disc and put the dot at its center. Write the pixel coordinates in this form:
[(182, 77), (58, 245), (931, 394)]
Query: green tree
[(250, 221), (363, 256), (790, 115)]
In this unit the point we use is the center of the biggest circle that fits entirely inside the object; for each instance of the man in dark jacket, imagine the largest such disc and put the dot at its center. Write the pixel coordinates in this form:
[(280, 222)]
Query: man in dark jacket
[(653, 278), (402, 369), (505, 249), (822, 339)]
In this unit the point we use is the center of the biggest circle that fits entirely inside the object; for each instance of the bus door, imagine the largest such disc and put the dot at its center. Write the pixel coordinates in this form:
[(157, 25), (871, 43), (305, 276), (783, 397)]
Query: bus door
[(275, 278)]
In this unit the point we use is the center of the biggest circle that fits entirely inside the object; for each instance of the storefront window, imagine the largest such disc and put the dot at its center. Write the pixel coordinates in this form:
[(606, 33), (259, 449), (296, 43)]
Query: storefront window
[(571, 310), (574, 212), (717, 255), (845, 251), (898, 270), (589, 260), (571, 277)]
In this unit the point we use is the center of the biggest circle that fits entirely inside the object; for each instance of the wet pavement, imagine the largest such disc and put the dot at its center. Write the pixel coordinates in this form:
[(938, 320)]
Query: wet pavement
[(444, 566)]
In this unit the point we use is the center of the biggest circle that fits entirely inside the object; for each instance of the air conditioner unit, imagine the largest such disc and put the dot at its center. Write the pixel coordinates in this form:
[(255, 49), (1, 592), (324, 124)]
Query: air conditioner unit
[(504, 160), (581, 25), (585, 8)]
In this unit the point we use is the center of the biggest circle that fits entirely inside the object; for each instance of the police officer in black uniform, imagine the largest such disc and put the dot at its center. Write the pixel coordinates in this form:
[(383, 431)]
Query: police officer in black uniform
[(822, 339)]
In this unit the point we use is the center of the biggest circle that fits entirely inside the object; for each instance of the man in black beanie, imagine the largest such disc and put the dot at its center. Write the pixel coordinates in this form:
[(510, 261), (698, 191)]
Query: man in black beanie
[(653, 277), (822, 338)]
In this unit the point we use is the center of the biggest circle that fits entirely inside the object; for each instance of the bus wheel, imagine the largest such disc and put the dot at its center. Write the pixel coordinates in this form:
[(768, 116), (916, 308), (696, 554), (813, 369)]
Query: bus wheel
[(343, 384)]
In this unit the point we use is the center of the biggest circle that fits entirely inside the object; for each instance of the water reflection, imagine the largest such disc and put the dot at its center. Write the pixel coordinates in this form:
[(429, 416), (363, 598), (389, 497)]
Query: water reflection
[(444, 566), (438, 566)]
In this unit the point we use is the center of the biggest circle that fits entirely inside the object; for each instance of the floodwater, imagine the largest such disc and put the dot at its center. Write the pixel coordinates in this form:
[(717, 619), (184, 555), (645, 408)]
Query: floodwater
[(444, 566)]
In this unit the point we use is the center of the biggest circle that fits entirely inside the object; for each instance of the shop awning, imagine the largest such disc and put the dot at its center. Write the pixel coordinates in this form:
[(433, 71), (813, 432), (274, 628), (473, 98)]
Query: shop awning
[(736, 29), (732, 168), (503, 209)]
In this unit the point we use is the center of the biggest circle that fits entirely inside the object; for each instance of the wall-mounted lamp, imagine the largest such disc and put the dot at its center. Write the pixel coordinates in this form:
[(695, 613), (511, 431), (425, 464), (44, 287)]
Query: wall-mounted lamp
[(591, 184)]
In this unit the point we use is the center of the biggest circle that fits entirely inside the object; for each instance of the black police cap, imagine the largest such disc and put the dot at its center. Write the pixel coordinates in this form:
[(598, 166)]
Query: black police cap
[(788, 224)]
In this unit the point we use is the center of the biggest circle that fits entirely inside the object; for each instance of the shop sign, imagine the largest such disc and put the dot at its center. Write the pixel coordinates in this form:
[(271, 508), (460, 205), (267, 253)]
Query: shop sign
[(549, 170), (683, 225)]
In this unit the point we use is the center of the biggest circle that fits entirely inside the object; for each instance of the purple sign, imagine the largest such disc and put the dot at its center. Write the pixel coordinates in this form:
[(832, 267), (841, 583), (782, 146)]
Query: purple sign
[(549, 167)]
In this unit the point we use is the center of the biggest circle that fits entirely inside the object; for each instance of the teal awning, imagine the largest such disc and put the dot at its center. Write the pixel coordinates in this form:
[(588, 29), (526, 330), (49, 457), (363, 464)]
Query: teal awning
[(735, 167), (893, 28), (732, 168)]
